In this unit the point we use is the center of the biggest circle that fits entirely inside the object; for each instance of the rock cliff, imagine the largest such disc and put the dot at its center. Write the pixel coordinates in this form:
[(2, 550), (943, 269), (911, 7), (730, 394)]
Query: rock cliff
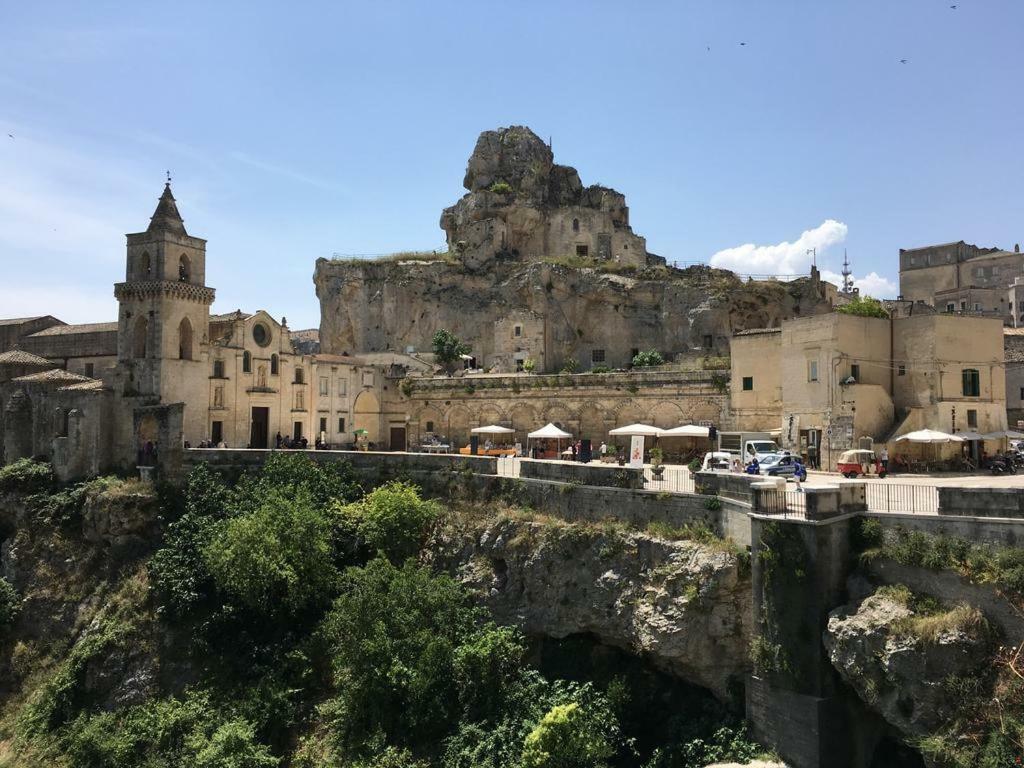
[(685, 606)]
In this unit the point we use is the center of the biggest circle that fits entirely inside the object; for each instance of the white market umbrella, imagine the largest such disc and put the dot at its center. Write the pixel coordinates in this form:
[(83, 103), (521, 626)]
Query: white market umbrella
[(999, 434), (642, 430), (687, 430), (929, 436), (492, 429), (973, 436)]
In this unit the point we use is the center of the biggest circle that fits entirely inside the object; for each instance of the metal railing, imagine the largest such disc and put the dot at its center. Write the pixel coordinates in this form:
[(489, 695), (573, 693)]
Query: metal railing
[(672, 480), (782, 503), (904, 498)]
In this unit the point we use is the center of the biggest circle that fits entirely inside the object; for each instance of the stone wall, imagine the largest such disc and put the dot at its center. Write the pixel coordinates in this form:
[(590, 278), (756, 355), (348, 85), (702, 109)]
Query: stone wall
[(981, 530), (583, 474), (981, 502)]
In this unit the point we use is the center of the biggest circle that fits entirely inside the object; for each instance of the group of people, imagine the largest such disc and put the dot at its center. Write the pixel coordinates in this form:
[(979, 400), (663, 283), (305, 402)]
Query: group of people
[(287, 442)]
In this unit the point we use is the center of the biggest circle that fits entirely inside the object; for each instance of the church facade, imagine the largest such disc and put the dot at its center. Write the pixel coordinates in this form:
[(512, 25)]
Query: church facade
[(168, 373)]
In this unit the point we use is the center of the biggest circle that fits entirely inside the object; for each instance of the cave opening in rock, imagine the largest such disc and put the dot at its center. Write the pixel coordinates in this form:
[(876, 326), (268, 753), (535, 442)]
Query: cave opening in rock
[(655, 708), (890, 753)]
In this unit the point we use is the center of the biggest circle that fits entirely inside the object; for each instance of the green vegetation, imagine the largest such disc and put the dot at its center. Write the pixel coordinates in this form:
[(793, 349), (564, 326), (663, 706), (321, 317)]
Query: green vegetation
[(529, 364), (648, 358), (571, 365), (10, 605), (715, 363), (863, 306), (292, 626), (501, 188), (448, 349), (1002, 567), (26, 475), (600, 369)]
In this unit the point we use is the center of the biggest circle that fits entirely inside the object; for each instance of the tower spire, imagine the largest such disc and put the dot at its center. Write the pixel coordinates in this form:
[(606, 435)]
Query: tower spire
[(166, 217)]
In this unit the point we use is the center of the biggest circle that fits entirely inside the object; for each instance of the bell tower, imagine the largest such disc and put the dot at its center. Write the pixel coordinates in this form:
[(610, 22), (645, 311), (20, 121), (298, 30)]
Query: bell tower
[(164, 311)]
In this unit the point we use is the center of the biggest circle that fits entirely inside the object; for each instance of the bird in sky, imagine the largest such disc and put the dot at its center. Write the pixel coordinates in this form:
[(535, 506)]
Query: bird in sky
[(953, 7), (903, 61), (10, 135), (742, 43)]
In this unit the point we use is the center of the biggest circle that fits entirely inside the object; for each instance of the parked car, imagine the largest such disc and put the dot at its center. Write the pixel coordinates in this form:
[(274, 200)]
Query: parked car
[(781, 465), (859, 462)]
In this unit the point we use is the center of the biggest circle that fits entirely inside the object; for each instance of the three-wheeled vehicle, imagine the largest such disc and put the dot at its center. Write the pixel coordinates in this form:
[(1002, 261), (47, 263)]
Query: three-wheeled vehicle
[(859, 462)]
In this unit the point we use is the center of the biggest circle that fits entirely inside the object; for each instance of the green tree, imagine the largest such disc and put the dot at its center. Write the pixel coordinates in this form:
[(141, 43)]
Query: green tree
[(392, 520), (648, 358), (448, 349), (233, 745), (567, 737), (10, 604), (863, 306), (277, 560)]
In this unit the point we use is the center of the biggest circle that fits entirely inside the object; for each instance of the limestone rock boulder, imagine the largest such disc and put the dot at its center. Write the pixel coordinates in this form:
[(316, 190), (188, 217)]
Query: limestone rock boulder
[(683, 605), (899, 675), (123, 520)]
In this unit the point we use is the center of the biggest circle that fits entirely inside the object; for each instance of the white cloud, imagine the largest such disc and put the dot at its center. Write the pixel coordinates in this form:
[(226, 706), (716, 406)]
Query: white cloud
[(782, 258), (872, 284)]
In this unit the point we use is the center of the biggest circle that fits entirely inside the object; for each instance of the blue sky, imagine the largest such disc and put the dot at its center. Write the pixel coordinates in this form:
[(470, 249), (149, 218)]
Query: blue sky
[(298, 130)]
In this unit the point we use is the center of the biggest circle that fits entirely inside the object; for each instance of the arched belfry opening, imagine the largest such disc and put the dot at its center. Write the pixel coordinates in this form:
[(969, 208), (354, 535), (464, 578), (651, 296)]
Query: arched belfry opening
[(145, 266), (140, 338), (185, 269), (185, 339)]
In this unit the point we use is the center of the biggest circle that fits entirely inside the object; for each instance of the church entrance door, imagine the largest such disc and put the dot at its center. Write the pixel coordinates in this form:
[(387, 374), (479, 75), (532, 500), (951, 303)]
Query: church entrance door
[(260, 427), (398, 439)]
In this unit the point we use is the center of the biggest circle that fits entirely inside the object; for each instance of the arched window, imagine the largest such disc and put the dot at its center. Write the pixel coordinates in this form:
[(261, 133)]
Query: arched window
[(273, 365), (300, 377), (145, 266), (184, 269), (185, 339), (575, 225), (140, 338), (246, 362)]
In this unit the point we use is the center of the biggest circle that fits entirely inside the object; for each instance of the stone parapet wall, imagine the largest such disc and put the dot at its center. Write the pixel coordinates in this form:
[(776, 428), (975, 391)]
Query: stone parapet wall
[(980, 530), (981, 502), (602, 475)]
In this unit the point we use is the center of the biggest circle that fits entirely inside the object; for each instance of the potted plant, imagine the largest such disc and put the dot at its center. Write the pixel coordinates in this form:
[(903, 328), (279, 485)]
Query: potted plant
[(620, 456), (657, 468)]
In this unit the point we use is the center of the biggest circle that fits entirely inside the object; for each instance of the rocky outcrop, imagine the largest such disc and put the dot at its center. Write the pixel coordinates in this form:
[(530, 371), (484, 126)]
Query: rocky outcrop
[(123, 518), (685, 606), (896, 671)]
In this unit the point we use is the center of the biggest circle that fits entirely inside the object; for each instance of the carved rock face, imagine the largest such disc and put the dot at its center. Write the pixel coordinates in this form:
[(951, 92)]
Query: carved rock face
[(515, 155)]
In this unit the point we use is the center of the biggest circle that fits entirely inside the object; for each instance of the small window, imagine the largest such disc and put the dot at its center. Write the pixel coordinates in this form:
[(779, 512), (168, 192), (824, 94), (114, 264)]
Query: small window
[(748, 383), (812, 370), (950, 306), (90, 370), (273, 365), (324, 386), (342, 387), (575, 225), (709, 341), (855, 371), (597, 355), (341, 424), (300, 376), (430, 426), (972, 417), (582, 251), (246, 362), (518, 331), (323, 423), (1022, 393), (963, 306), (971, 382), (902, 370), (634, 352), (260, 334), (977, 307), (217, 432), (184, 269), (218, 369)]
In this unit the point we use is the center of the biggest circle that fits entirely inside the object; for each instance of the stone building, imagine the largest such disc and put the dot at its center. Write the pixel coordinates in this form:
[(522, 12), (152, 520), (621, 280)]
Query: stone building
[(14, 330), (167, 372), (960, 277), (842, 378)]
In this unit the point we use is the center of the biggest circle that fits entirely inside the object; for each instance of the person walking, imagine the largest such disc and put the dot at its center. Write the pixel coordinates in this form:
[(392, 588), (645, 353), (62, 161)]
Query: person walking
[(885, 459), (603, 450)]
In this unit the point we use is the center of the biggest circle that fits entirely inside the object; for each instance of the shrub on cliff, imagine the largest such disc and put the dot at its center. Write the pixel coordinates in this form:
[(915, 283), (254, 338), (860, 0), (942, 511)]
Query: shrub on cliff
[(863, 306), (647, 358), (277, 560), (448, 349), (568, 736), (391, 520), (10, 605), (26, 476)]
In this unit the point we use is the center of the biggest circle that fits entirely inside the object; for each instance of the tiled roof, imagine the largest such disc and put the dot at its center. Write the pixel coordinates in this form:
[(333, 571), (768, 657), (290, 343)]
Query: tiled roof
[(757, 331), (344, 359), (18, 320), (228, 316), (21, 357), (83, 386), (65, 330), (1013, 331), (54, 374)]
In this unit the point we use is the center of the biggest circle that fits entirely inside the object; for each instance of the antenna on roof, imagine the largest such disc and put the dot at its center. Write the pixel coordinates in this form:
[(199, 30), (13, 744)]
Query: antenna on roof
[(847, 274), (168, 177)]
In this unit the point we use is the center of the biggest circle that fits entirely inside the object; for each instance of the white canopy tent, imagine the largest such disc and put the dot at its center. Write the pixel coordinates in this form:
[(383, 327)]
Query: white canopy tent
[(999, 434), (973, 436), (549, 432), (642, 430)]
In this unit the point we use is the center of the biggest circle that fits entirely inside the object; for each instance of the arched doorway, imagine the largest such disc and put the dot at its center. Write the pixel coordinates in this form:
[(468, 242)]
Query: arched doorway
[(366, 415), (140, 338), (185, 339)]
